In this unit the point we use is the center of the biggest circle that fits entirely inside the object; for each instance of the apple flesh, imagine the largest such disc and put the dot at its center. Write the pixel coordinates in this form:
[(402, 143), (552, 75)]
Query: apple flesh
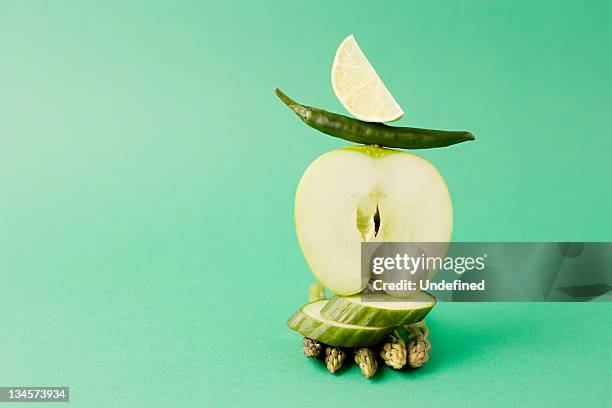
[(366, 194)]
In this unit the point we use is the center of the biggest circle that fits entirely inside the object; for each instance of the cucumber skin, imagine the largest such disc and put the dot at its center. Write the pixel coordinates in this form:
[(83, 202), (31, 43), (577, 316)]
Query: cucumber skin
[(334, 335), (341, 310)]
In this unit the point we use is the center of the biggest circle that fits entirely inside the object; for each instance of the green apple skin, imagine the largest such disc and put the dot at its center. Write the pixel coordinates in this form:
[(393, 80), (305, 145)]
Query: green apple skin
[(366, 194)]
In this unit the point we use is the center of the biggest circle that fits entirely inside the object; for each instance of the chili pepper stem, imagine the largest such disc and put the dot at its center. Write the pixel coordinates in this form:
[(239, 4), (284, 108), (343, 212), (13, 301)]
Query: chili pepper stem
[(293, 105)]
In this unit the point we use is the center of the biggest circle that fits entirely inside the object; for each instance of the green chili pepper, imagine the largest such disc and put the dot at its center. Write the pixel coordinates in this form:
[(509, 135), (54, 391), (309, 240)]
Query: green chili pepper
[(358, 131)]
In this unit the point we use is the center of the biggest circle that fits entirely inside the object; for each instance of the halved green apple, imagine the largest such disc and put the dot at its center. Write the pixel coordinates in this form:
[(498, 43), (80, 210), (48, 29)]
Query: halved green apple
[(366, 194)]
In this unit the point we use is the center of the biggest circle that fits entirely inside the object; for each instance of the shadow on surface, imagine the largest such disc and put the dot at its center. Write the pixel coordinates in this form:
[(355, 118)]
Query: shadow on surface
[(468, 337)]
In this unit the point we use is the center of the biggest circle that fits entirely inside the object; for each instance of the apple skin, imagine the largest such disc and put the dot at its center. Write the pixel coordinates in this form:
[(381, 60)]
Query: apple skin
[(366, 194)]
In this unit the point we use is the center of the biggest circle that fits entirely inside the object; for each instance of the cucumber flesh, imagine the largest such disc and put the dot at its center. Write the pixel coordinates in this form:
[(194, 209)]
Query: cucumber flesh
[(378, 310), (309, 322)]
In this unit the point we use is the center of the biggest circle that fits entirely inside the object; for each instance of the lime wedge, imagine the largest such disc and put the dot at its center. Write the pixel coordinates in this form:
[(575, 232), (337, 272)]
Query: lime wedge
[(358, 86)]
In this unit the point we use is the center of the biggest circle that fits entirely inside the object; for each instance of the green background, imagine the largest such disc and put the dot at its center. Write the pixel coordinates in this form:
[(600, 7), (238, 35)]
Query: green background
[(147, 173)]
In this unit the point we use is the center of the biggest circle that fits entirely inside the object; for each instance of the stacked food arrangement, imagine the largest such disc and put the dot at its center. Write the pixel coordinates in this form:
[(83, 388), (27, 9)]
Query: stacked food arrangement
[(366, 193)]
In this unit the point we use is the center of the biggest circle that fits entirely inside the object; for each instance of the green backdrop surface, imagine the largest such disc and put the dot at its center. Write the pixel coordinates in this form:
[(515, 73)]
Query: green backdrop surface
[(147, 173)]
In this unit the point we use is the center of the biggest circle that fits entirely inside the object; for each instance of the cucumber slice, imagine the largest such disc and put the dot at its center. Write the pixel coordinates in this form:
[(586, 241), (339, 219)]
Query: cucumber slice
[(378, 310), (308, 322)]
